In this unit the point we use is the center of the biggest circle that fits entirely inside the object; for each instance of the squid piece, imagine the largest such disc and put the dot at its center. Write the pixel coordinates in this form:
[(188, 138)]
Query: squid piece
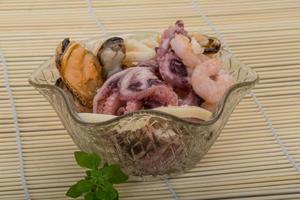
[(137, 51)]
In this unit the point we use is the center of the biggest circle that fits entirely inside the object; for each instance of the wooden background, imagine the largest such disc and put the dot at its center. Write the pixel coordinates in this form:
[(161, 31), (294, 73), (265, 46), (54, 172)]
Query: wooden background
[(257, 155)]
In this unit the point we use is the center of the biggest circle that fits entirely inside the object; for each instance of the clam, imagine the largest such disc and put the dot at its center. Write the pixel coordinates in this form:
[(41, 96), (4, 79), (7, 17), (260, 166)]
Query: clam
[(111, 55), (80, 71)]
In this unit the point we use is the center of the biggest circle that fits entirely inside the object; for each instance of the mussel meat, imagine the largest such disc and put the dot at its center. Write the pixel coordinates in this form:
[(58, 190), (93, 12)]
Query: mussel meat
[(211, 45), (111, 55), (80, 71)]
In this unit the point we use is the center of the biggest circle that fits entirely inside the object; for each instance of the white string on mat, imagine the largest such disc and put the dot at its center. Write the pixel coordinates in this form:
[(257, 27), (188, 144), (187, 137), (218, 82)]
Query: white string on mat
[(102, 28), (259, 105), (16, 124), (170, 188), (274, 132), (93, 15)]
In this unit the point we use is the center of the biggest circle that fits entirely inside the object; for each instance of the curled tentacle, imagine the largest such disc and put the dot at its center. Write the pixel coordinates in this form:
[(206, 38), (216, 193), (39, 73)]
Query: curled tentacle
[(161, 93), (136, 80), (132, 106), (171, 68), (110, 86), (132, 89), (173, 71), (112, 104), (191, 99)]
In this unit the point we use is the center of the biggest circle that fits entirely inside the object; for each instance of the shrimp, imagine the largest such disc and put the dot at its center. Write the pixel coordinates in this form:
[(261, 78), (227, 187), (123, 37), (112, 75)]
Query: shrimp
[(210, 82), (183, 49)]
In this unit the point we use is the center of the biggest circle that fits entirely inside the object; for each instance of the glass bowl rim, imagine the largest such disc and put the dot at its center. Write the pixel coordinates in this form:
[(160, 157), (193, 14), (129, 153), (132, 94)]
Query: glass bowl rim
[(157, 113)]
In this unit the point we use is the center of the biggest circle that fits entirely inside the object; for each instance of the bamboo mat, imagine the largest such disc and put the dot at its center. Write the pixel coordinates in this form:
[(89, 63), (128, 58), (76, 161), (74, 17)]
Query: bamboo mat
[(257, 155)]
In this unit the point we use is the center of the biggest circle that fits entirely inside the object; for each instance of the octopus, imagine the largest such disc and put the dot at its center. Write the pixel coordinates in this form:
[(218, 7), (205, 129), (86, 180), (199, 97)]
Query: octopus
[(109, 91), (171, 68), (191, 99), (133, 89)]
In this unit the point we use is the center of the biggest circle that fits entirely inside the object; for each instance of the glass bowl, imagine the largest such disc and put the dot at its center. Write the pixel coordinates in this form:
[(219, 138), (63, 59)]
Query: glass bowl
[(147, 144)]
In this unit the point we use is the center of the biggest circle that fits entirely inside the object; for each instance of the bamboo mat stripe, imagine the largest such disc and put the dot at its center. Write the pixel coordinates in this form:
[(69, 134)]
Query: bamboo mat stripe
[(284, 150), (274, 133), (16, 126)]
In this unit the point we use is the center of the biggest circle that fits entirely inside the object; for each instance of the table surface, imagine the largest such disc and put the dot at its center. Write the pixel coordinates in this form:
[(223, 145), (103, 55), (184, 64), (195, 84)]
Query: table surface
[(256, 156)]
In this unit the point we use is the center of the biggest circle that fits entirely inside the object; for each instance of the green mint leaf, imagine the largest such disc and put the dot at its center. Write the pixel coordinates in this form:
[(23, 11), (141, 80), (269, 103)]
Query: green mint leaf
[(96, 177), (95, 173), (113, 193), (88, 173), (87, 160), (105, 165), (117, 198), (107, 192), (114, 174), (84, 186), (73, 192), (90, 196), (98, 183)]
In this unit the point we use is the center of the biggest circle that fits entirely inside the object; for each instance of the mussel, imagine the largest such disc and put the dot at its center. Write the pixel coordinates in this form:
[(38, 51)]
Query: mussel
[(77, 104), (111, 55), (211, 45), (80, 71)]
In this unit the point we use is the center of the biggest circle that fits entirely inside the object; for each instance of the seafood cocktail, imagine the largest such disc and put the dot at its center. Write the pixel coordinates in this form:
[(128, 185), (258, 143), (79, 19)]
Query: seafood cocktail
[(153, 103)]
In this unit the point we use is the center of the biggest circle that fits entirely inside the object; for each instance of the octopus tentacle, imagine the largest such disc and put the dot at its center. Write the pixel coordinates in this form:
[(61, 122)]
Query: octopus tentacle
[(192, 99), (112, 104), (106, 90), (171, 68), (137, 86), (132, 106), (135, 81), (161, 93), (173, 71)]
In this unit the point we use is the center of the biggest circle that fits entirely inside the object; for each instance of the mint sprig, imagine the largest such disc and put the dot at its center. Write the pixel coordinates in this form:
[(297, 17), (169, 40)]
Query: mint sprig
[(98, 182)]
